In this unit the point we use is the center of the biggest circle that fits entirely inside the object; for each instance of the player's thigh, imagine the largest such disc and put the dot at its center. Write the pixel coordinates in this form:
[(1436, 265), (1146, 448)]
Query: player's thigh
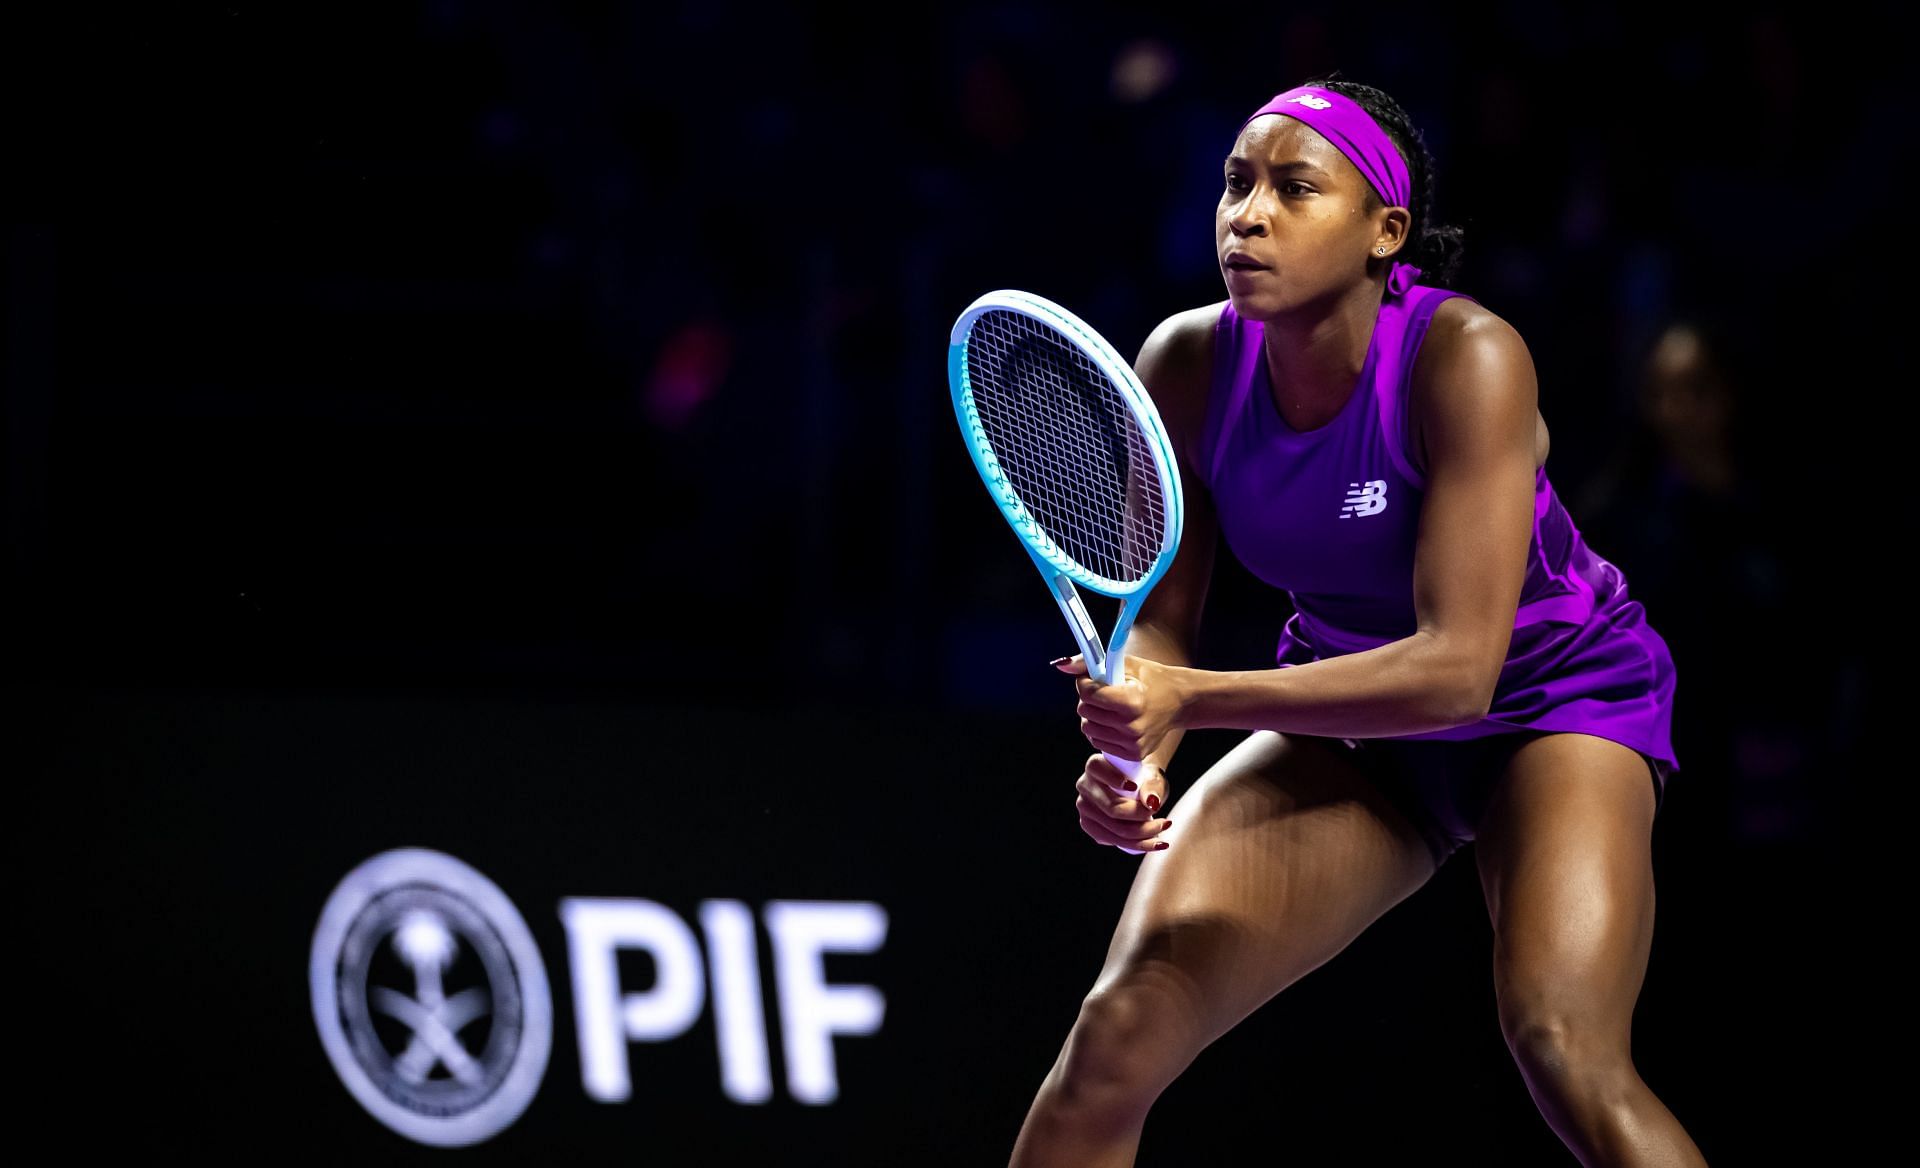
[(1565, 858), (1282, 853)]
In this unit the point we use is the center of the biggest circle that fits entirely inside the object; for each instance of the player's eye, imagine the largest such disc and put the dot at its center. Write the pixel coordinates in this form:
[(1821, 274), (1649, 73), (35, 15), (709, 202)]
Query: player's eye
[(1236, 182)]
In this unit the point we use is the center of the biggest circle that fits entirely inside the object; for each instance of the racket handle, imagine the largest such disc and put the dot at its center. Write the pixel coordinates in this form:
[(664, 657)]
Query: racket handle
[(1127, 766), (1130, 768)]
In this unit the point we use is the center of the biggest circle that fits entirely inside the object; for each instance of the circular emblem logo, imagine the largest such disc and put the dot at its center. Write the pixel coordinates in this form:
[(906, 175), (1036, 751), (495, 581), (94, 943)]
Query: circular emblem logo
[(430, 997)]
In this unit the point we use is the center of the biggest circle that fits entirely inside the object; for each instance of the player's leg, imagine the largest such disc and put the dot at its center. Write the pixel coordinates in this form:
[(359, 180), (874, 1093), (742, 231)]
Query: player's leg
[(1283, 852), (1565, 856)]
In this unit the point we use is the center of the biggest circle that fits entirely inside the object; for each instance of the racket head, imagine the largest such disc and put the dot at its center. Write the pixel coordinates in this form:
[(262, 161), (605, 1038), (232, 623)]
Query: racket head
[(1037, 391)]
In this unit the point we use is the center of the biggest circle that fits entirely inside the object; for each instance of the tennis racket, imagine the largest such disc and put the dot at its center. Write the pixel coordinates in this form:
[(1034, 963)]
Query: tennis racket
[(1072, 449)]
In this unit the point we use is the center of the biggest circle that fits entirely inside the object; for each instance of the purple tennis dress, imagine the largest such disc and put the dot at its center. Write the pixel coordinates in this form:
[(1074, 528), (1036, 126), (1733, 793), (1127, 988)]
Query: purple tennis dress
[(1330, 516)]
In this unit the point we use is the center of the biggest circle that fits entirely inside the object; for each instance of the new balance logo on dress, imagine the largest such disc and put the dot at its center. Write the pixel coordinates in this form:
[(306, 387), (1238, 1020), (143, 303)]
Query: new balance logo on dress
[(1369, 498)]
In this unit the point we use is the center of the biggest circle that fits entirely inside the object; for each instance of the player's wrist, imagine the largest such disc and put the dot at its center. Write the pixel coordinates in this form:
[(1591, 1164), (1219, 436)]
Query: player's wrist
[(1187, 685)]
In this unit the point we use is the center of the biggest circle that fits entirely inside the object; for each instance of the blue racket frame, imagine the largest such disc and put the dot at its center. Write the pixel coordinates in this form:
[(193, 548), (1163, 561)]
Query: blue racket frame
[(1061, 573)]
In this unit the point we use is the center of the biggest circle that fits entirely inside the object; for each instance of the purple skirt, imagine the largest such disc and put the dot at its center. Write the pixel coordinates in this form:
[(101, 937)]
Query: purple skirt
[(1585, 660)]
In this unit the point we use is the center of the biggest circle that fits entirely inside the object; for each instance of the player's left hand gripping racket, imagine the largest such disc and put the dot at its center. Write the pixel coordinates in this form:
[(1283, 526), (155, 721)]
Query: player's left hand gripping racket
[(1072, 449)]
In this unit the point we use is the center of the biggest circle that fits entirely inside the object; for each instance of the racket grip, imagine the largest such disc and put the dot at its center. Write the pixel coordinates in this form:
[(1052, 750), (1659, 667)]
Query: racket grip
[(1130, 768)]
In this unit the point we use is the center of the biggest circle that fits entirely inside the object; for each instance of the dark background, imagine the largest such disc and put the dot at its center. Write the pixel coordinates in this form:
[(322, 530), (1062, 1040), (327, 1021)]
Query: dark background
[(521, 431)]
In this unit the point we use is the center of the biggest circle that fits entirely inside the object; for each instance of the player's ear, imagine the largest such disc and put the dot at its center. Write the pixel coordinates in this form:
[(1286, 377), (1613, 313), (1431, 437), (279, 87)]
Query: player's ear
[(1393, 231)]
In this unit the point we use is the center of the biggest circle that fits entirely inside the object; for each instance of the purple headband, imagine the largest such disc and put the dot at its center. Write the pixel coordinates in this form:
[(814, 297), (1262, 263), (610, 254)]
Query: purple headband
[(1352, 130)]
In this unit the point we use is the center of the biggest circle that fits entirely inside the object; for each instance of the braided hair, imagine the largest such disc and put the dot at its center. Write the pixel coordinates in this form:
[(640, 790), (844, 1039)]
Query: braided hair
[(1433, 248)]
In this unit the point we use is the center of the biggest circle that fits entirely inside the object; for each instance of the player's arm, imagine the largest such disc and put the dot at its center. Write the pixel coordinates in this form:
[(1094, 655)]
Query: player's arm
[(1175, 367), (1477, 405)]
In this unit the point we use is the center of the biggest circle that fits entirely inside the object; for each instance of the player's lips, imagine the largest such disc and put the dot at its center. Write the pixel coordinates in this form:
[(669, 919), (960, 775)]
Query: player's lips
[(1240, 259)]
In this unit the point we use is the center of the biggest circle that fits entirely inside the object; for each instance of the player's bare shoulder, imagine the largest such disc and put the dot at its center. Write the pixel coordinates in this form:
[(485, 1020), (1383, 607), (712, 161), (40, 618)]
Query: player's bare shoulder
[(1466, 338), (1176, 367), (1458, 318)]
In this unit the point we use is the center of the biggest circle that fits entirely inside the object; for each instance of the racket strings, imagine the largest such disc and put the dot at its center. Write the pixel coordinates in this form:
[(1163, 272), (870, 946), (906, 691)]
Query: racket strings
[(1068, 445)]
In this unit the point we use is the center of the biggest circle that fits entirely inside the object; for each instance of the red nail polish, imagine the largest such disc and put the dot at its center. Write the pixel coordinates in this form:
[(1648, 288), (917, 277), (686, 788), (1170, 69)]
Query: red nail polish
[(1153, 804)]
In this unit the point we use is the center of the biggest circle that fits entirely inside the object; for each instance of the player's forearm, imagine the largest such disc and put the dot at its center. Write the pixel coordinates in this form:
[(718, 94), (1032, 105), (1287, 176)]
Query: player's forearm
[(1155, 644), (1409, 686)]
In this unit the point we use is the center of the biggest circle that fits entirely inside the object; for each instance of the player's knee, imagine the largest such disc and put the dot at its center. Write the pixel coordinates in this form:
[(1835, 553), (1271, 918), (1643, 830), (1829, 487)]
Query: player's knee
[(1561, 1050), (1122, 1052)]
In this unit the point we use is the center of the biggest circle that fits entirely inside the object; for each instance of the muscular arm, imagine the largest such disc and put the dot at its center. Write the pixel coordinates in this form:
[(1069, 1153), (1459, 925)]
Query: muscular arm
[(1478, 407)]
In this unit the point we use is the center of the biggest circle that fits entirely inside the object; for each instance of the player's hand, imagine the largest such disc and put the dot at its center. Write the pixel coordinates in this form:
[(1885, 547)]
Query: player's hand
[(1127, 719), (1115, 813)]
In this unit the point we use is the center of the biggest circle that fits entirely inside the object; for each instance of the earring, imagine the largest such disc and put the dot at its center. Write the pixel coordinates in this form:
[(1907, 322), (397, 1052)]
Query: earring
[(1381, 250)]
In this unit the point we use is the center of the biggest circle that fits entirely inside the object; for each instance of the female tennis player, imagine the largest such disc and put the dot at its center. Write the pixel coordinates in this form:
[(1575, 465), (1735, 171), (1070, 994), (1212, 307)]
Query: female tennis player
[(1460, 666)]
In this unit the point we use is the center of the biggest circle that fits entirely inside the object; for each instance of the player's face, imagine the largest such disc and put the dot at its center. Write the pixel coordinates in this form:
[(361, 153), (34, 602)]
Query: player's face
[(1293, 202)]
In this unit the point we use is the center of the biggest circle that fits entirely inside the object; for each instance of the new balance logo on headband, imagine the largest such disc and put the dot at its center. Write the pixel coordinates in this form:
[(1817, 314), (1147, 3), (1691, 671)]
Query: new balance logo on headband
[(1312, 102), (1367, 499)]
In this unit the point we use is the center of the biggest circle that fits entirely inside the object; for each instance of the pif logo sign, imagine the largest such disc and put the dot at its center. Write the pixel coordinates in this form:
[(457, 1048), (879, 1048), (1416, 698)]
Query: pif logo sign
[(432, 1001), (430, 997)]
